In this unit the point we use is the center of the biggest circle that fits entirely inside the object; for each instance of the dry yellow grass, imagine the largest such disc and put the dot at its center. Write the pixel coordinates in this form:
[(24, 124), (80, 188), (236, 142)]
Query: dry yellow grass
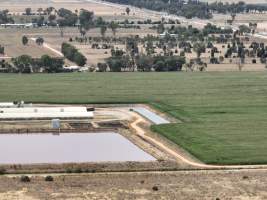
[(12, 41)]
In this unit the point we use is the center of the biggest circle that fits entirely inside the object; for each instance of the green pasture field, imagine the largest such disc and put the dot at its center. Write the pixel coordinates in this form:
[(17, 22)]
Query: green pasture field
[(223, 114)]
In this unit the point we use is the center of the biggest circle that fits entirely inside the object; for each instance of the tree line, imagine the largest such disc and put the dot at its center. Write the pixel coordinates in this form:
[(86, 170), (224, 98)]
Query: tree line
[(27, 64), (71, 53)]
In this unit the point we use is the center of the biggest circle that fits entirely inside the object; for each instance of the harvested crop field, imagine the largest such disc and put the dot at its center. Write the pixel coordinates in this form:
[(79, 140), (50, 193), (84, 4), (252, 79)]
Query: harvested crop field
[(223, 114)]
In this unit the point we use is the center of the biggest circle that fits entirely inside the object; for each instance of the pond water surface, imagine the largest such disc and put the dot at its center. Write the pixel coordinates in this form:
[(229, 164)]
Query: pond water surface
[(68, 148)]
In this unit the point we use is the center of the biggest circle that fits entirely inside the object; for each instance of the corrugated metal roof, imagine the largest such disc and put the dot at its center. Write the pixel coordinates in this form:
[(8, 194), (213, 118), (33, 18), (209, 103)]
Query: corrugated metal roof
[(45, 113), (151, 116)]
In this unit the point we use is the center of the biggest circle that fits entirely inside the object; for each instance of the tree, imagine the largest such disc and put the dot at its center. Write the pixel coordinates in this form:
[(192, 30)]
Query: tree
[(144, 63), (160, 28), (102, 67), (49, 10), (244, 29), (39, 10), (39, 21), (61, 25), (132, 50), (51, 17), (114, 26), (149, 47), (25, 40), (103, 30), (67, 17), (128, 10), (5, 17), (28, 11), (115, 64), (39, 41), (159, 66), (86, 20), (71, 53), (79, 59), (23, 63), (2, 50), (199, 48), (233, 15), (52, 65)]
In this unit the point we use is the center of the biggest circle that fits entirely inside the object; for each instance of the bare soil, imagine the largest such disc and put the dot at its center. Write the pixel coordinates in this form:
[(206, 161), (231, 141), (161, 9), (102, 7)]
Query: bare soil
[(211, 185)]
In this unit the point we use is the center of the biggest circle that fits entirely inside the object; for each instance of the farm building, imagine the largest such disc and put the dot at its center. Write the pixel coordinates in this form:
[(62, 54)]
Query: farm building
[(45, 113), (7, 104), (27, 25), (14, 104)]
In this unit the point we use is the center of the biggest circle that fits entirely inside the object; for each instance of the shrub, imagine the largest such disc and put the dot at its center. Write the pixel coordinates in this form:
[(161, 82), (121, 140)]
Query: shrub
[(49, 178), (25, 179), (71, 53), (155, 188), (2, 171), (78, 170)]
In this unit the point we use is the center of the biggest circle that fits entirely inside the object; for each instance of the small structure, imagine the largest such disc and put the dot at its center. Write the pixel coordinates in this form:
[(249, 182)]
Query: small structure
[(55, 123), (72, 68), (163, 35), (27, 25)]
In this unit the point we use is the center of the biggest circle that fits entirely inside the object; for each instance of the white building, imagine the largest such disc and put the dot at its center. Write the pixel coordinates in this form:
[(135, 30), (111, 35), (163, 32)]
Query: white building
[(45, 113)]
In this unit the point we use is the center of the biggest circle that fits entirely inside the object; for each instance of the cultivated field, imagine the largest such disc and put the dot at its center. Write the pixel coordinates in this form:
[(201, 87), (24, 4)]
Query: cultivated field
[(223, 114)]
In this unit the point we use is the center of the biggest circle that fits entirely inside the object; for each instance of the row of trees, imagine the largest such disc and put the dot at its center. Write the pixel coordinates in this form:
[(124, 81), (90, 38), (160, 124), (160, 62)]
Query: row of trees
[(27, 64), (5, 18), (71, 53), (132, 60), (142, 63)]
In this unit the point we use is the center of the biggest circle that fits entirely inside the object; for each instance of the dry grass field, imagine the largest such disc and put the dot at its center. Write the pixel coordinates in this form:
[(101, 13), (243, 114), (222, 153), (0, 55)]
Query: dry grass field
[(107, 12), (240, 19), (205, 185), (11, 39)]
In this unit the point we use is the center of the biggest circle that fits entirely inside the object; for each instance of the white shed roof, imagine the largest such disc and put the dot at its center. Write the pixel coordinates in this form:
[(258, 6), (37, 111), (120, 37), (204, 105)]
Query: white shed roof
[(45, 113), (6, 104)]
